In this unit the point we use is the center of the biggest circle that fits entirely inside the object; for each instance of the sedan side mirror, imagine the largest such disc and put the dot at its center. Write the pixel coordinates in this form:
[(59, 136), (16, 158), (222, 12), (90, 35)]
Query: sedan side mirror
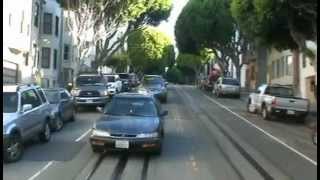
[(164, 113), (26, 107), (100, 109)]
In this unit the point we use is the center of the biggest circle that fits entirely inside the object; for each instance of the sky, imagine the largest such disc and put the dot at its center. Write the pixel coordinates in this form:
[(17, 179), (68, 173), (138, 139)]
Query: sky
[(168, 26)]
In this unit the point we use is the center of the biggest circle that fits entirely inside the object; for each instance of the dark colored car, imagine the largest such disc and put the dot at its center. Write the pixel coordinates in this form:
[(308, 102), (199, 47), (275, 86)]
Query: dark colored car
[(131, 78), (124, 78), (156, 86), (62, 107), (131, 121), (90, 90)]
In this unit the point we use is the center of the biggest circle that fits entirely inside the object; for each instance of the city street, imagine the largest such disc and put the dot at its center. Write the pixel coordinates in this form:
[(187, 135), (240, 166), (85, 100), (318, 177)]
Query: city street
[(205, 138)]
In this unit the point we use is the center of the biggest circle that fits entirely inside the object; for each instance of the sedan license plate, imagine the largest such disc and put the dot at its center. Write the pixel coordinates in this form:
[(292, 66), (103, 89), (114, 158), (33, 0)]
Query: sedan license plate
[(122, 144), (290, 112), (89, 100)]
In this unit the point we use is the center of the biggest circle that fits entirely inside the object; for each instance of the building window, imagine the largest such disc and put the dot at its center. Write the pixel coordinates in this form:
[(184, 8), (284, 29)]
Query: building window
[(10, 17), (282, 68), (304, 61), (55, 57), (36, 16), (66, 52), (22, 20), (290, 65), (45, 57), (57, 26), (47, 23), (45, 83), (275, 69), (26, 55)]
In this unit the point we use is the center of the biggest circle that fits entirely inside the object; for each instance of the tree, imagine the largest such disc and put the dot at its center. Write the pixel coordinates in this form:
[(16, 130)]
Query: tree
[(148, 49), (118, 62), (285, 24), (190, 64), (213, 27), (99, 22)]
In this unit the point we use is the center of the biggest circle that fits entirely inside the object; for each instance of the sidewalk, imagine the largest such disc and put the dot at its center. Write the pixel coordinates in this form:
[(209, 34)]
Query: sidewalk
[(311, 119)]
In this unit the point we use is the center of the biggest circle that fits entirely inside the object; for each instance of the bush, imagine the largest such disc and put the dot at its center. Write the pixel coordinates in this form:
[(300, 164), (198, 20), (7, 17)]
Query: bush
[(174, 75)]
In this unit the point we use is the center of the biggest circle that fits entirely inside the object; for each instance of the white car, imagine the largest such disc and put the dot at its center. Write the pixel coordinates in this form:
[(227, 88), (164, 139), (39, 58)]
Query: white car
[(114, 83)]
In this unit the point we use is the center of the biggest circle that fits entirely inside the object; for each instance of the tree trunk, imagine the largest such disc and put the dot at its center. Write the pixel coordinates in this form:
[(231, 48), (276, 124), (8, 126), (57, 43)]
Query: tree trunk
[(296, 71)]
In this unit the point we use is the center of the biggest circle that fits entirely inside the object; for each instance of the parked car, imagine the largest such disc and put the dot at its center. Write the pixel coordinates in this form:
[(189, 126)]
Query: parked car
[(114, 83), (314, 135), (134, 80), (277, 100), (155, 85), (62, 107), (90, 90), (227, 86), (124, 78), (133, 122), (26, 113)]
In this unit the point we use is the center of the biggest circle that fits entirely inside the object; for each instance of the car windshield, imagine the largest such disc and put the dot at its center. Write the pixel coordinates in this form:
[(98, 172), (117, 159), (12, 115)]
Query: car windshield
[(110, 78), (10, 102), (53, 96), (124, 76), (152, 81), (230, 82), (89, 80), (280, 91), (132, 107)]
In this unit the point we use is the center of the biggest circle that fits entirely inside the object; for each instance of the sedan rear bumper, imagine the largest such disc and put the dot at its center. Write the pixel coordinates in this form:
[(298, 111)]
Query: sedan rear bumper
[(94, 101)]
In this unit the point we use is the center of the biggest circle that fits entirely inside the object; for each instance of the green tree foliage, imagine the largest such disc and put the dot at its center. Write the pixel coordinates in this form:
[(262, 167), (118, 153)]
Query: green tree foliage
[(174, 75), (119, 62), (189, 63), (148, 50), (281, 24), (203, 24)]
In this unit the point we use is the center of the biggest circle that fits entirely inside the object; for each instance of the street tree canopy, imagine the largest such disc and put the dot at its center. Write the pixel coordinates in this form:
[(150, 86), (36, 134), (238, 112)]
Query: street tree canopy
[(281, 24), (203, 24), (148, 49)]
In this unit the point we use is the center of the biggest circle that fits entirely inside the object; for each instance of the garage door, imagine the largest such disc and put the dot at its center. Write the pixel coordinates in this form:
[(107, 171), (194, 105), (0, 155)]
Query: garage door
[(10, 71)]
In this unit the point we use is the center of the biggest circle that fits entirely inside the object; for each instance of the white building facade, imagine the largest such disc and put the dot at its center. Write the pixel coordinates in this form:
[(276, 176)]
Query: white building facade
[(20, 32)]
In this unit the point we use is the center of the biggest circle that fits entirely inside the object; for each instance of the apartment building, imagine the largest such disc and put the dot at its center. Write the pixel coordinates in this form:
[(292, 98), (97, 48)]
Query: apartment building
[(280, 71), (20, 39), (50, 44)]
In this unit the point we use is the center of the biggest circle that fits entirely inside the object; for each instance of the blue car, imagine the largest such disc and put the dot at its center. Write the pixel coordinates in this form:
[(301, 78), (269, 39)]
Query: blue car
[(62, 107)]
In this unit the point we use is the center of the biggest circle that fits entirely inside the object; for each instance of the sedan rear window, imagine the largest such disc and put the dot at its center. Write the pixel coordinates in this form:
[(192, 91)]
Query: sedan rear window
[(110, 78), (132, 107), (280, 91), (53, 96), (230, 82), (10, 102), (89, 80)]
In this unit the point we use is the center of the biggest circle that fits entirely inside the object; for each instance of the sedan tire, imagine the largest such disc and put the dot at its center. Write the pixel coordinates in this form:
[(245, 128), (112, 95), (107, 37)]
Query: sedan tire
[(45, 135), (73, 116), (58, 123), (14, 150), (250, 107), (265, 113)]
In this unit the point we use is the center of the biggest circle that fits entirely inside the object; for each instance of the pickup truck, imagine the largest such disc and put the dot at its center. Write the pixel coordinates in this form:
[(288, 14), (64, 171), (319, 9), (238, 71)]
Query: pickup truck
[(277, 100)]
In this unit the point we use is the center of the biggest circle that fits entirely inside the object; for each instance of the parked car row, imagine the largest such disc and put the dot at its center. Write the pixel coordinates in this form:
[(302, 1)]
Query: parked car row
[(269, 100), (27, 112)]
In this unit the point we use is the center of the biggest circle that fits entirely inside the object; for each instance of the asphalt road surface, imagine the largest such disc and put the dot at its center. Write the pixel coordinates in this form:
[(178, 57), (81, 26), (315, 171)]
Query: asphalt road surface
[(205, 139)]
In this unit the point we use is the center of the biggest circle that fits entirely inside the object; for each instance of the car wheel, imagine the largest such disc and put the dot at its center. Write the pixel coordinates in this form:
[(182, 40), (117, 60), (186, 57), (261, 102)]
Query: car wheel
[(301, 120), (157, 151), (14, 150), (58, 123), (314, 138), (250, 107), (265, 113), (164, 100), (73, 116), (45, 135)]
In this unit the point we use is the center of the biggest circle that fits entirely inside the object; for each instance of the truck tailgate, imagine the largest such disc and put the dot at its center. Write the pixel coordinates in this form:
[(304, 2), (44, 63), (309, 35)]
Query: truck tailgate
[(297, 104)]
